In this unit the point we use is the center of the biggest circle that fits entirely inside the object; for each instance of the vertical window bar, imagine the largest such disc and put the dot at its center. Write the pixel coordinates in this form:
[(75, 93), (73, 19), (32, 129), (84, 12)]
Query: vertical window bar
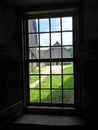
[(50, 62), (74, 59), (39, 83), (61, 57), (27, 58), (73, 46), (39, 64)]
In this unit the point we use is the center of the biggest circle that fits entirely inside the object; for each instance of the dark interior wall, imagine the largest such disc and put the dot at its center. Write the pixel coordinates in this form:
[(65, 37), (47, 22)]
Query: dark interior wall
[(89, 60), (10, 64)]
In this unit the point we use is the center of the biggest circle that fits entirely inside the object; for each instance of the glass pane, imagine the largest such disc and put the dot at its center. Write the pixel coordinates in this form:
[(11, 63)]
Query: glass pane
[(44, 39), (34, 96), (55, 24), (68, 68), (56, 81), (67, 52), (45, 81), (32, 25), (44, 68), (45, 96), (55, 52), (67, 38), (56, 96), (68, 82), (34, 81), (55, 39), (56, 68), (66, 23), (44, 25), (45, 52), (34, 53), (34, 68), (33, 40), (68, 96)]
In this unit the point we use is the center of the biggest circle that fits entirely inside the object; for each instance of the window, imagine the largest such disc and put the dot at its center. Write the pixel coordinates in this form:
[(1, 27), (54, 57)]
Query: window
[(51, 58)]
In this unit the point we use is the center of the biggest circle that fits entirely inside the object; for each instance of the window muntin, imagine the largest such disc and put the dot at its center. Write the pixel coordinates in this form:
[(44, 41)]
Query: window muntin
[(59, 38)]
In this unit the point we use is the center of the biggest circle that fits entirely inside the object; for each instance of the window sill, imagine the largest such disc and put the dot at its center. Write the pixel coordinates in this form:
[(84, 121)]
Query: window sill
[(51, 110)]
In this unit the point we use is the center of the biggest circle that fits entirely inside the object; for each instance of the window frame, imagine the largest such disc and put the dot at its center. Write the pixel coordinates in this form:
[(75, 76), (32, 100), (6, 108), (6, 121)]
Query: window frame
[(73, 12)]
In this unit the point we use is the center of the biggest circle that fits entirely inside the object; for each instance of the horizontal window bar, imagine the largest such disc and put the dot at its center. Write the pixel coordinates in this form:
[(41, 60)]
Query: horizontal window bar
[(50, 46), (48, 74), (52, 60), (49, 32), (52, 89)]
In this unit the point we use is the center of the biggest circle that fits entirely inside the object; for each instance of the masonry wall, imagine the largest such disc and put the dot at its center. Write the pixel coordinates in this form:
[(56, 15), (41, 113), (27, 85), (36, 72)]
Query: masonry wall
[(10, 65)]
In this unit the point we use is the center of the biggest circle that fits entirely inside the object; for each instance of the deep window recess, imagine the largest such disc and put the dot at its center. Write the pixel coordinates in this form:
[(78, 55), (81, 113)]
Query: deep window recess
[(51, 55)]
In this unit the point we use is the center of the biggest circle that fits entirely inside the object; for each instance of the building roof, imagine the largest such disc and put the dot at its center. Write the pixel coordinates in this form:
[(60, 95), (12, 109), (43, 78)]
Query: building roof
[(57, 44)]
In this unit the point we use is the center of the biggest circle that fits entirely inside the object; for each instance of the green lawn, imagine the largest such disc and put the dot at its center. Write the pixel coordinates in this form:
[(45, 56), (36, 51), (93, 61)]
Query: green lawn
[(34, 78), (56, 92)]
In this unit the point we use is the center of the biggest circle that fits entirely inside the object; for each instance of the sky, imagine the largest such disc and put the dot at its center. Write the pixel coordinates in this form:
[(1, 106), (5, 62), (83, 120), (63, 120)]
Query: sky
[(55, 26)]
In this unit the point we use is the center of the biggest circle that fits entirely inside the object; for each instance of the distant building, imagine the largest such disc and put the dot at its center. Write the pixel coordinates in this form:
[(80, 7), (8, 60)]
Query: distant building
[(56, 52)]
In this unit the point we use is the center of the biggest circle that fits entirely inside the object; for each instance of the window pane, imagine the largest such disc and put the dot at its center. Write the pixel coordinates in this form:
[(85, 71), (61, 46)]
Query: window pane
[(67, 67), (56, 96), (45, 96), (34, 96), (67, 38), (44, 25), (68, 96), (45, 81), (55, 24), (32, 25), (55, 39), (44, 52), (44, 39), (33, 40), (56, 81), (55, 52), (34, 68), (66, 23), (56, 68), (68, 82), (34, 53), (44, 68), (34, 81), (67, 52)]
